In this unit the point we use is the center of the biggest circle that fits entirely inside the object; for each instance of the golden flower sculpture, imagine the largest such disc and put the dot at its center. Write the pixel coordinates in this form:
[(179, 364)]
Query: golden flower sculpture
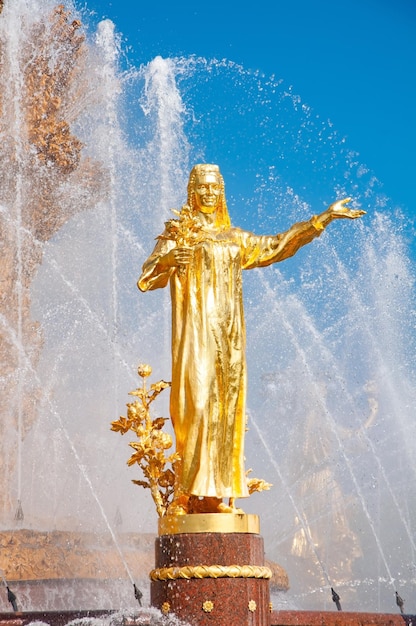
[(208, 606), (144, 370), (186, 230), (165, 608), (257, 484), (152, 442), (252, 605)]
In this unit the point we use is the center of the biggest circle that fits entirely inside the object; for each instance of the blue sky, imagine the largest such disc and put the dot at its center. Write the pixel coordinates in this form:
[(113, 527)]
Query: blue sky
[(352, 61)]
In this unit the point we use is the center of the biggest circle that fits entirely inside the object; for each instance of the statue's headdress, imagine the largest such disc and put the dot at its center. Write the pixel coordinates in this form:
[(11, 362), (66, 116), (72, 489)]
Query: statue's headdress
[(222, 218)]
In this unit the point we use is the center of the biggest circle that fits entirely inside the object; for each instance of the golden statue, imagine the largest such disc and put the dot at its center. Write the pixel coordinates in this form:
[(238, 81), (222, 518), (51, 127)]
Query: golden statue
[(202, 256)]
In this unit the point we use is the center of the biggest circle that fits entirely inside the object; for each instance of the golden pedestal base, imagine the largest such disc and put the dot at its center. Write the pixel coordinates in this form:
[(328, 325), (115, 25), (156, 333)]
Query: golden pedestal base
[(209, 523)]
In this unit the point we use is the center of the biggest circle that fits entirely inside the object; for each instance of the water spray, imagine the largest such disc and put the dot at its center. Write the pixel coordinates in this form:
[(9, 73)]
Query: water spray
[(299, 513), (19, 515), (331, 423), (118, 520)]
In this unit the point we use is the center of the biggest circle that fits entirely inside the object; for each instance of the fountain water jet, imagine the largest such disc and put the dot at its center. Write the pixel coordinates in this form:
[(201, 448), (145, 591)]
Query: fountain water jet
[(48, 175), (40, 63)]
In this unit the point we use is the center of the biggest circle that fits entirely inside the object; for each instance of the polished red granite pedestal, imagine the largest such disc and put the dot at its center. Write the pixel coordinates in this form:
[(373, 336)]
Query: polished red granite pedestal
[(213, 574)]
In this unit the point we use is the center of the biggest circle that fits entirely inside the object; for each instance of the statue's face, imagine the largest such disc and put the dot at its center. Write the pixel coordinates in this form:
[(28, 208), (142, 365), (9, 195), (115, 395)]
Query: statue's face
[(207, 193)]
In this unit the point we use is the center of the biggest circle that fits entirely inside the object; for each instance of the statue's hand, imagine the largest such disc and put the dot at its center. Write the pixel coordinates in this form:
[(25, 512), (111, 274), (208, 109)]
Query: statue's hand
[(339, 210), (176, 257)]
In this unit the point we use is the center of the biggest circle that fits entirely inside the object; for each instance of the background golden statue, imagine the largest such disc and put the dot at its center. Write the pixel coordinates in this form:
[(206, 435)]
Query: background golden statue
[(202, 256)]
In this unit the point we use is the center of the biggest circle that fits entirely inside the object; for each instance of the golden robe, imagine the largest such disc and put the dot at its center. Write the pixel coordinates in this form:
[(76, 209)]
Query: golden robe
[(207, 402)]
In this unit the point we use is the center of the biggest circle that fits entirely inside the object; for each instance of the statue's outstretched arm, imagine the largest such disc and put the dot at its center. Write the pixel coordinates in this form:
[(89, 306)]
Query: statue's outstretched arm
[(266, 250)]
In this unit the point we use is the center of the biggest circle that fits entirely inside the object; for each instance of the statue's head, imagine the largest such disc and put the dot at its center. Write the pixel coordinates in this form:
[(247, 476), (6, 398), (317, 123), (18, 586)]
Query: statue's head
[(206, 192)]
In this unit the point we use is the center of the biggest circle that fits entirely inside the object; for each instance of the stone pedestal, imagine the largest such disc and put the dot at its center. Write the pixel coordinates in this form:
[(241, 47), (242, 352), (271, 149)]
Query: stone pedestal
[(212, 576)]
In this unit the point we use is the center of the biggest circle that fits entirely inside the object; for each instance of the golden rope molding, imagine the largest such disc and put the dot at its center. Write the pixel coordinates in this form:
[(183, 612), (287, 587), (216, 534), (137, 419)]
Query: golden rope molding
[(210, 571)]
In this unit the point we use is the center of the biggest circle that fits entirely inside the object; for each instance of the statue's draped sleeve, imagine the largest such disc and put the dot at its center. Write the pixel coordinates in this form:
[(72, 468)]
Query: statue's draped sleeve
[(153, 275), (263, 250)]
